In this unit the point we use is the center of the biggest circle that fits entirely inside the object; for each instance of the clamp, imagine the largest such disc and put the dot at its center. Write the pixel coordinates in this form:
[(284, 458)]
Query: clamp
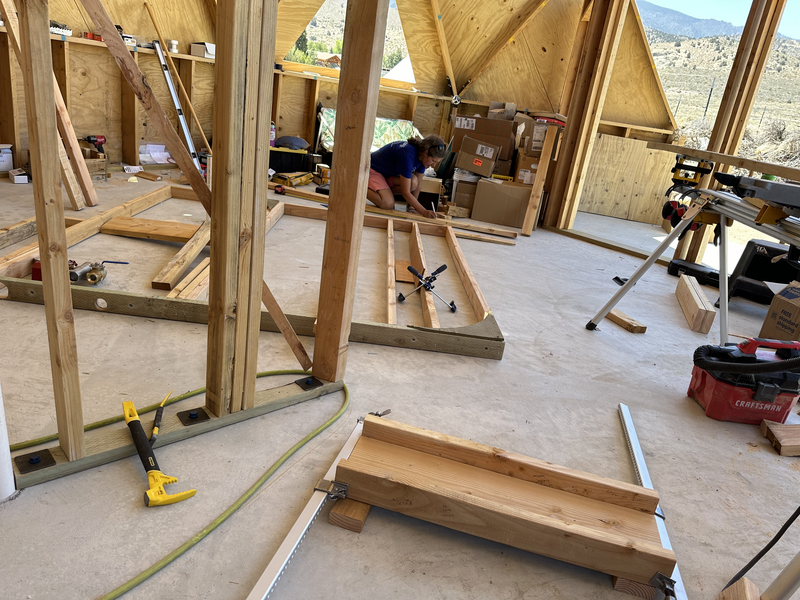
[(664, 584)]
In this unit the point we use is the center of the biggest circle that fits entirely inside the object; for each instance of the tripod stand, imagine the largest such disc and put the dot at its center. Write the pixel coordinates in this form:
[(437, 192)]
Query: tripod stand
[(427, 283)]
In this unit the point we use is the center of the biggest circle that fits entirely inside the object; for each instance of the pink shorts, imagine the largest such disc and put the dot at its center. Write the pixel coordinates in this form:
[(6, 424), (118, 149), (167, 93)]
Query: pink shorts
[(378, 182)]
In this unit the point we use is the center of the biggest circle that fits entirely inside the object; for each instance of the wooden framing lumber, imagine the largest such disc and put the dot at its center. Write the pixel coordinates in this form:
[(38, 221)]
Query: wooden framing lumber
[(61, 68), (532, 211), (349, 514), (696, 307), (365, 28), (481, 340), (63, 120), (113, 442), (43, 137), (150, 229), (311, 117), (626, 322), (442, 480), (448, 64), (68, 179), (633, 588), (784, 438), (131, 123), (586, 105), (177, 291), (18, 263), (229, 28), (171, 273), (194, 290), (9, 108), (396, 214), (476, 299), (744, 589), (429, 315), (18, 232), (391, 289)]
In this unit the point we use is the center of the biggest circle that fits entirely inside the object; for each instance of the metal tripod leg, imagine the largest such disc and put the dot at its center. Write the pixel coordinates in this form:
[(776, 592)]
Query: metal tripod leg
[(688, 217), (442, 299)]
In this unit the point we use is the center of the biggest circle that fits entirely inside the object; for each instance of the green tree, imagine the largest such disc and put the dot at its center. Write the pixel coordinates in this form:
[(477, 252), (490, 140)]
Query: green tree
[(302, 42), (337, 47), (390, 60)]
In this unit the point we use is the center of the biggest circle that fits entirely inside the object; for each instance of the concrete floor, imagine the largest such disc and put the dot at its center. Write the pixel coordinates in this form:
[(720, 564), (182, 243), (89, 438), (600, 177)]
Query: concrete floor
[(554, 396)]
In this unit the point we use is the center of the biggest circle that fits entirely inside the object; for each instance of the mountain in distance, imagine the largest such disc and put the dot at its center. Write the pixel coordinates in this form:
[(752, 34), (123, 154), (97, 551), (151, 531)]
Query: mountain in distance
[(678, 23)]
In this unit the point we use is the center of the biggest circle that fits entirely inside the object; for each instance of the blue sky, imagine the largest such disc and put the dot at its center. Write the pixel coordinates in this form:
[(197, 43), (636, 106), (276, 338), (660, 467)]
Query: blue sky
[(734, 11)]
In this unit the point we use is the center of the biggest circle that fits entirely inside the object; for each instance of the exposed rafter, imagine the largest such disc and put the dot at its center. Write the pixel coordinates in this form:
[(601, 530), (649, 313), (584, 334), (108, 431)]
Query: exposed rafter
[(448, 65), (531, 10)]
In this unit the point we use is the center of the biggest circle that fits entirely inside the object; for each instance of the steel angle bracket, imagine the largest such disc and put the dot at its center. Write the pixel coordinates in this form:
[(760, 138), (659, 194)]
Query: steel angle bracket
[(643, 476), (325, 489)]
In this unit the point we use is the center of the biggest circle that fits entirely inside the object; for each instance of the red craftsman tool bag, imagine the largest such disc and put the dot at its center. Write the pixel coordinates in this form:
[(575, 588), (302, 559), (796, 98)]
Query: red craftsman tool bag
[(756, 380)]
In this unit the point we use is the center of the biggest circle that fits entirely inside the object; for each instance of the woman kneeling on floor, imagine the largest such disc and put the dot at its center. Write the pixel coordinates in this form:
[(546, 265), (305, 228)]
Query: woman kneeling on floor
[(397, 168)]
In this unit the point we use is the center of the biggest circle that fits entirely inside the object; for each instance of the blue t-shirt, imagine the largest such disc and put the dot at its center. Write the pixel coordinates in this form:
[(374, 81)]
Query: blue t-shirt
[(396, 158)]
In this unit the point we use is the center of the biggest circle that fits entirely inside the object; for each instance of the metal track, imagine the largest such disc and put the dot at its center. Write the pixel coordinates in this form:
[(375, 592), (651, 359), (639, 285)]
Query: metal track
[(272, 574), (187, 134), (643, 475)]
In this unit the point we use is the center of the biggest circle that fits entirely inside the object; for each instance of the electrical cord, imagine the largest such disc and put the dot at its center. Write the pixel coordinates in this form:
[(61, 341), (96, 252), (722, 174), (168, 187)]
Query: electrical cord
[(764, 550), (198, 537)]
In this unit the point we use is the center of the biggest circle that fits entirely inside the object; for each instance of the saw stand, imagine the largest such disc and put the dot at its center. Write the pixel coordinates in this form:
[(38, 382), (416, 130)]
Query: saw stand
[(727, 206)]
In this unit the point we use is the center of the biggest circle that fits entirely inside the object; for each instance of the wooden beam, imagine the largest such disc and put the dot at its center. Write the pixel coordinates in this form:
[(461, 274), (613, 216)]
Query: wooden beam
[(744, 589), (186, 281), (784, 438), (586, 105), (311, 115), (349, 514), (277, 89), (418, 262), (481, 340), (187, 75), (68, 136), (530, 11), (43, 138), (68, 179), (9, 107), (365, 29), (212, 11), (61, 68), (476, 299), (734, 161), (18, 263), (412, 108), (149, 229), (391, 290), (13, 234), (696, 307), (504, 508), (169, 276), (131, 122), (448, 64), (532, 211), (197, 286), (626, 322)]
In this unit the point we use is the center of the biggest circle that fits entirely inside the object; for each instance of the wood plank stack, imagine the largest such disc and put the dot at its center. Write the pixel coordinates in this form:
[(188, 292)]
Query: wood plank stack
[(564, 514)]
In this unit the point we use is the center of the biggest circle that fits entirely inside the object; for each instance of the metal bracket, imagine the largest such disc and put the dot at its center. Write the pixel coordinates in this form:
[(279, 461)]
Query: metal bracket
[(34, 461), (334, 489), (309, 383), (663, 584), (193, 416)]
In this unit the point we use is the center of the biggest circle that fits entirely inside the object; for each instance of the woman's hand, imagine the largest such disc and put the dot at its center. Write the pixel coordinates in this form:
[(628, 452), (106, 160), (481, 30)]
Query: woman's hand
[(431, 214)]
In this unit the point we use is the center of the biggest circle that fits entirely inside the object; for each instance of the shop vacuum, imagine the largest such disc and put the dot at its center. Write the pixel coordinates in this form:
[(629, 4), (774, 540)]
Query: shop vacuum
[(755, 380)]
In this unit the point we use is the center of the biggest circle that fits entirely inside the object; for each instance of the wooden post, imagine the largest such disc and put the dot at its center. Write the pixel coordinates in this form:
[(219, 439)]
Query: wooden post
[(586, 105), (365, 28), (131, 123), (61, 68), (39, 102), (277, 87), (9, 108), (311, 117), (187, 71), (532, 212)]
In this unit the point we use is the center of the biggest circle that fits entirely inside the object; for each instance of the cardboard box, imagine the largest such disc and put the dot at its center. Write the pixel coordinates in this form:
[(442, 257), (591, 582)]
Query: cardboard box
[(497, 132), (525, 171), (523, 128), (6, 158), (18, 176), (431, 185), (477, 157), (203, 49), (321, 180), (292, 179), (503, 167), (783, 316), (502, 110), (464, 194), (501, 203)]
